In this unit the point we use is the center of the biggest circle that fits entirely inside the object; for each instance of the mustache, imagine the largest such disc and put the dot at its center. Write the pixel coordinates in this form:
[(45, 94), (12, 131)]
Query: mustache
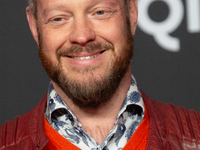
[(75, 49)]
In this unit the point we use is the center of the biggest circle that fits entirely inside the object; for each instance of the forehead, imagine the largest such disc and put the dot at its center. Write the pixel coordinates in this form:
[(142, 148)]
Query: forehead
[(51, 4)]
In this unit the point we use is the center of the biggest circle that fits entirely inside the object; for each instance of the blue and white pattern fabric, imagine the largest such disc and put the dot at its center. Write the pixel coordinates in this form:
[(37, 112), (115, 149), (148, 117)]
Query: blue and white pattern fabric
[(61, 118)]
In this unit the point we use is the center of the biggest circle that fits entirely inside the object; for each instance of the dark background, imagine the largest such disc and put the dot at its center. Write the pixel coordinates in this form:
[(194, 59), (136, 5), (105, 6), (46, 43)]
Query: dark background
[(171, 77)]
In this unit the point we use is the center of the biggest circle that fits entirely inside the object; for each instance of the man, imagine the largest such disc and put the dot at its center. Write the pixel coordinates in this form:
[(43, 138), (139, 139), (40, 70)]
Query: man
[(93, 102)]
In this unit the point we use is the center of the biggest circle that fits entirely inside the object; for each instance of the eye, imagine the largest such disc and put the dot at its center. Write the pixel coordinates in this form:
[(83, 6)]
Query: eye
[(57, 19), (101, 12)]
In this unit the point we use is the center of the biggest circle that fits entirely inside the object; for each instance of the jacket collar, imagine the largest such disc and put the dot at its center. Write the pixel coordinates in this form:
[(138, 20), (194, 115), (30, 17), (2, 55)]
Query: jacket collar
[(36, 127), (157, 125)]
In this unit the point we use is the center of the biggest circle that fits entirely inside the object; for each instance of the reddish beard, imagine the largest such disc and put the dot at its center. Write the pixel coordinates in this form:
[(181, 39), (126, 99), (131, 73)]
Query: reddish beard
[(96, 91)]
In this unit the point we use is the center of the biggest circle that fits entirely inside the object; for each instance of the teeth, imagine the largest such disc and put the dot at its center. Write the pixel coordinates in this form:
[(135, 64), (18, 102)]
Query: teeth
[(87, 57)]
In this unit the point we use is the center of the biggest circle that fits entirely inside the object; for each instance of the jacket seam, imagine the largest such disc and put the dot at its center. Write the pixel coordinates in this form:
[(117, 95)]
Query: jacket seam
[(189, 122), (180, 125), (165, 140), (168, 133)]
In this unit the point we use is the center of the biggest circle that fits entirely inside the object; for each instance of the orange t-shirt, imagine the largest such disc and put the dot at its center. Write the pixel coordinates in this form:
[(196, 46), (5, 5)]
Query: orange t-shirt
[(137, 141)]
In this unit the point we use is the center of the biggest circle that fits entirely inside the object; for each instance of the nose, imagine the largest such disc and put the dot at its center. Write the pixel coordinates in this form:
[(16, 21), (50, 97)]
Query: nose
[(82, 32)]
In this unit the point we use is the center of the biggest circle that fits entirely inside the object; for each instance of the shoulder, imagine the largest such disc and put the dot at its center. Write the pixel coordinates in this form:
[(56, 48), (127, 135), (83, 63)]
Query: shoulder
[(12, 132), (173, 125), (176, 117), (22, 128), (181, 122)]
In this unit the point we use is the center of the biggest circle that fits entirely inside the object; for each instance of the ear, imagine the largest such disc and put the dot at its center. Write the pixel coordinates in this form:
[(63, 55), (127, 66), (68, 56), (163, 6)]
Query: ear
[(133, 15), (32, 24)]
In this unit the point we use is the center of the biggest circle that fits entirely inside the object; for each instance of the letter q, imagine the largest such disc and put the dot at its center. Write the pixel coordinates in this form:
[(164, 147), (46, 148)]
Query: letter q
[(161, 30)]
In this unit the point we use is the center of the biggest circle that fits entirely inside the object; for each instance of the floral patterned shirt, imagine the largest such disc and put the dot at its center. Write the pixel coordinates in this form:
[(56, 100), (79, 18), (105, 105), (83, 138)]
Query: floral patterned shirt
[(62, 119)]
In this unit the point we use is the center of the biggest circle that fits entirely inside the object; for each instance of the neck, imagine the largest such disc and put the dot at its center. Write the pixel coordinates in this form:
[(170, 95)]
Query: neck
[(98, 123)]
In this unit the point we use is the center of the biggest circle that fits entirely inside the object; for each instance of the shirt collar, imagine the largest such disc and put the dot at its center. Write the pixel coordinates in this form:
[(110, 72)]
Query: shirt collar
[(55, 103), (133, 97)]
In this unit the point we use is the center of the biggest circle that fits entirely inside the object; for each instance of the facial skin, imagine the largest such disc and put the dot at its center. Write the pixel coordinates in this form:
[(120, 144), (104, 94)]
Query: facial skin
[(85, 46)]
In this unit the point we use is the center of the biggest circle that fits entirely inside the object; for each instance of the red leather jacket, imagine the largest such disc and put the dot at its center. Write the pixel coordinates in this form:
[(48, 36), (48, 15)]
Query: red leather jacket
[(171, 128)]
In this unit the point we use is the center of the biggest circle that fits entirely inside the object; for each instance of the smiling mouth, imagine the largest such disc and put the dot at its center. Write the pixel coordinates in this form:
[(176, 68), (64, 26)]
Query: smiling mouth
[(87, 57)]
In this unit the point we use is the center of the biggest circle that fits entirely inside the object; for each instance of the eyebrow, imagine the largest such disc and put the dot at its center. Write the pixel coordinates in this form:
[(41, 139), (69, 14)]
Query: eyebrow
[(63, 7), (58, 7)]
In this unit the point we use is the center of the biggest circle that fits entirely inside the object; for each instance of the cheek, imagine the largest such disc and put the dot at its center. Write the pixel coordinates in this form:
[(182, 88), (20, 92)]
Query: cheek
[(112, 31), (116, 36), (52, 40)]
